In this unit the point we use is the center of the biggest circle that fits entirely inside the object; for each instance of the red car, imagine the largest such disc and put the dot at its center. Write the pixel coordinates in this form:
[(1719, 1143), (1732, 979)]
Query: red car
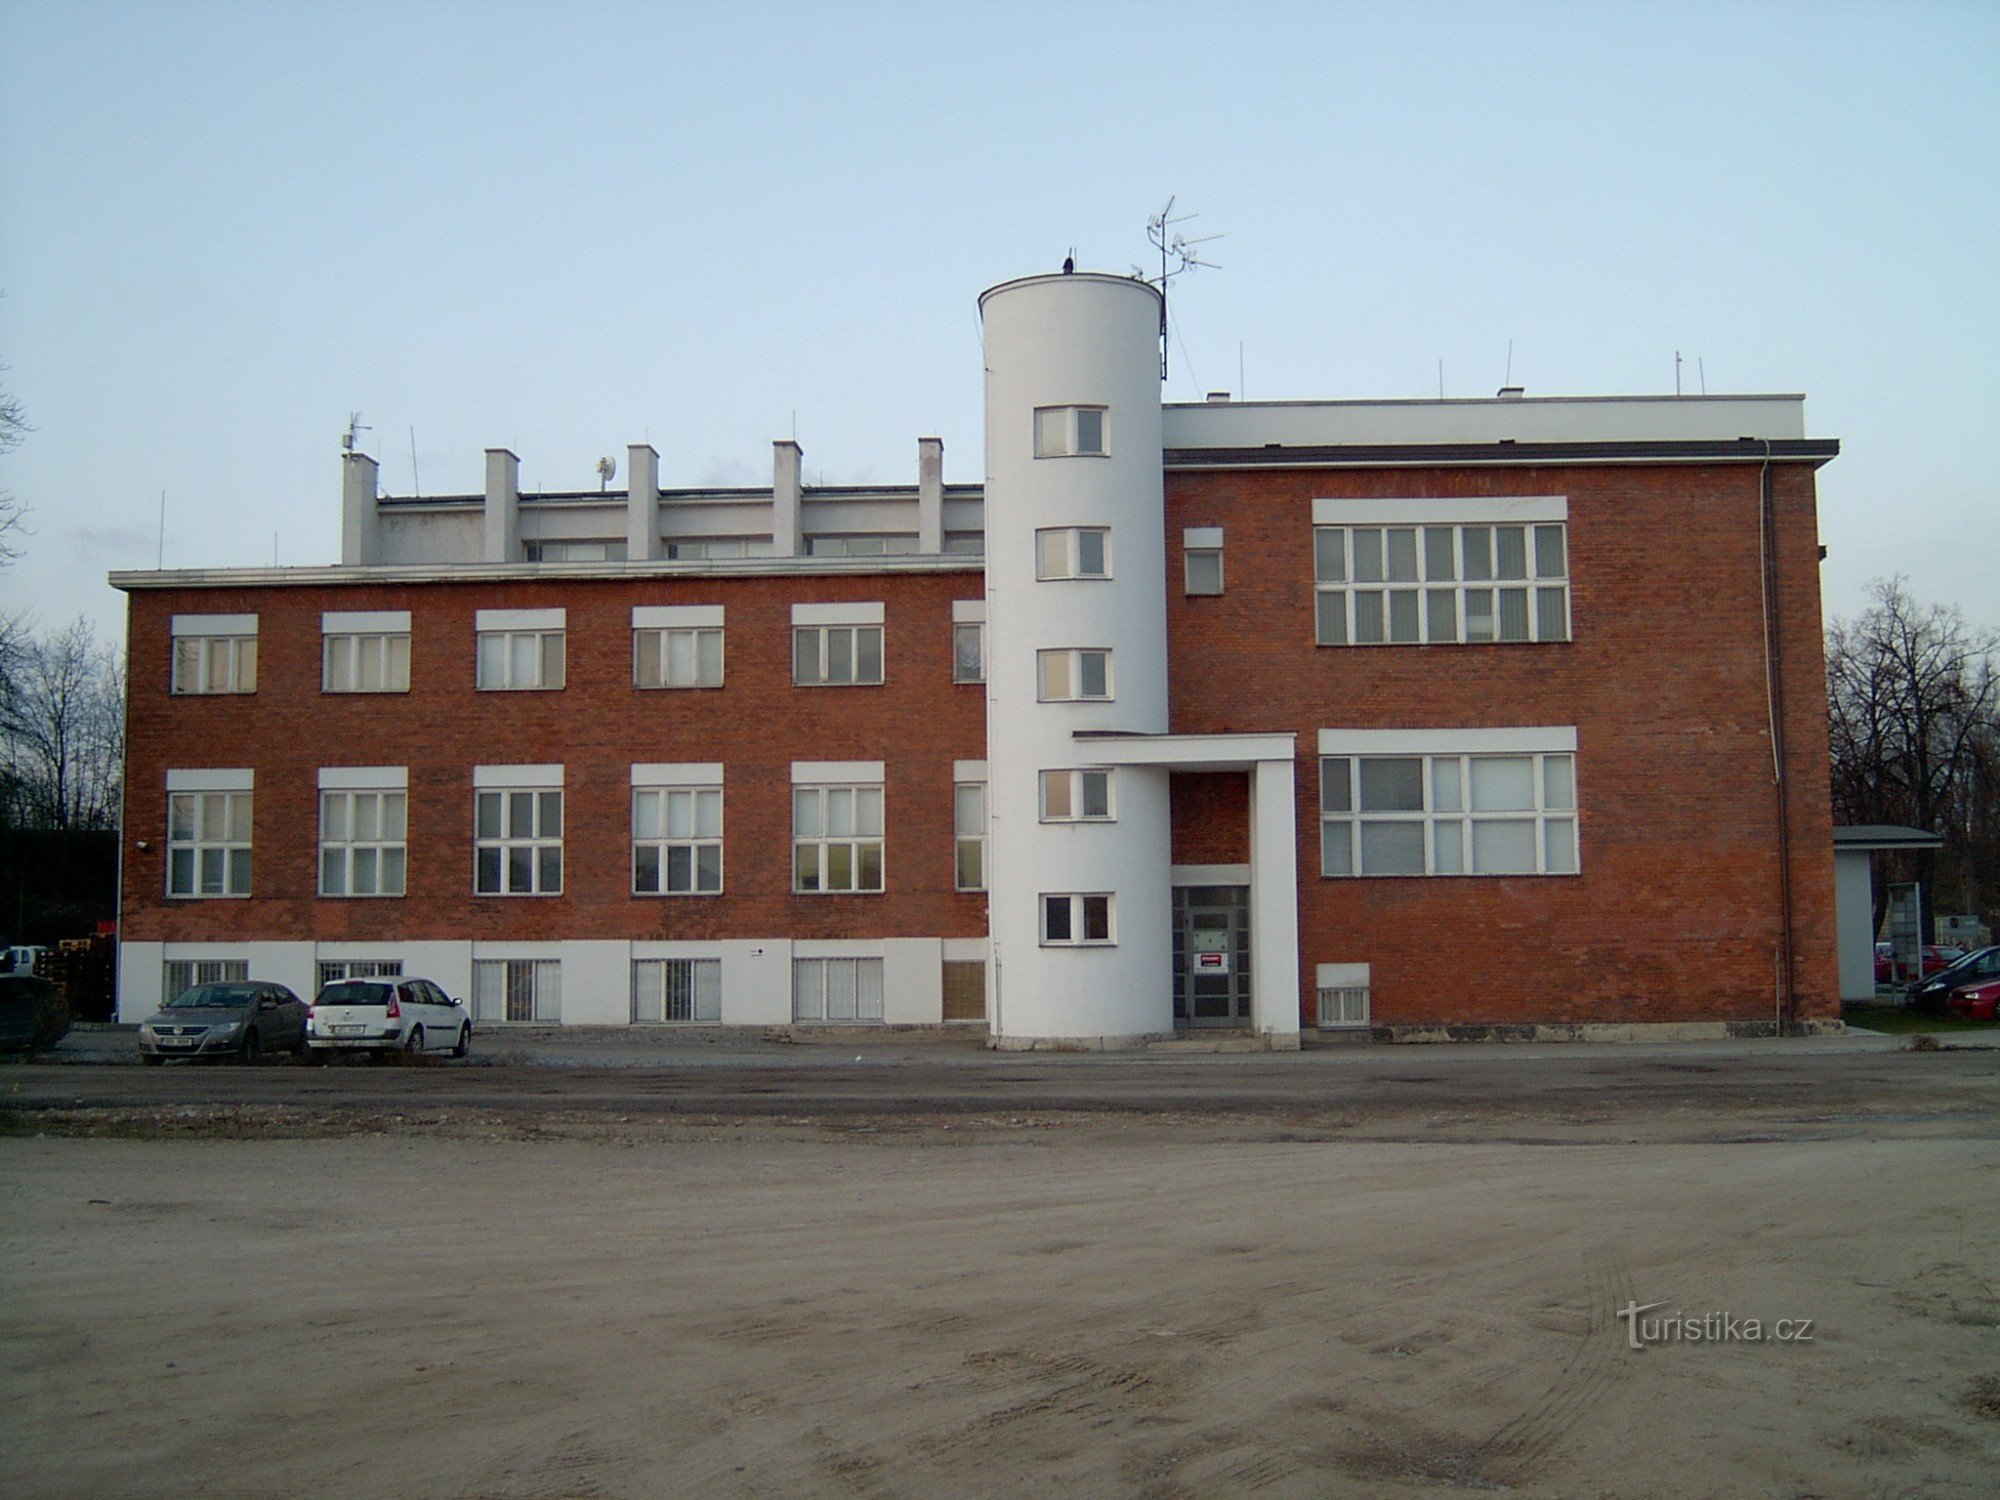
[(1975, 1002), (1936, 959)]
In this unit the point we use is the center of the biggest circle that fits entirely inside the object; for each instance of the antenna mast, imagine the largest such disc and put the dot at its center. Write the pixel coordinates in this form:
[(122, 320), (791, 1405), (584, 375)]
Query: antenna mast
[(1177, 257)]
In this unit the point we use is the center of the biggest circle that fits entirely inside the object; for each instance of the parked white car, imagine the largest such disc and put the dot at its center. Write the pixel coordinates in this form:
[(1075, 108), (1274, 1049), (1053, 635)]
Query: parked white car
[(391, 1014)]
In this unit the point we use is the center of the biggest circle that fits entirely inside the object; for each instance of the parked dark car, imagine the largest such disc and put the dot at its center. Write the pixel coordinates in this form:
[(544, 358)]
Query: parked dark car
[(1929, 995), (242, 1019), (33, 1013)]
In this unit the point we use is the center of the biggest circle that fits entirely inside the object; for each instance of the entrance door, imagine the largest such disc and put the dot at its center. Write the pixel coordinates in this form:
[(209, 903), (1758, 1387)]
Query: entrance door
[(1212, 955)]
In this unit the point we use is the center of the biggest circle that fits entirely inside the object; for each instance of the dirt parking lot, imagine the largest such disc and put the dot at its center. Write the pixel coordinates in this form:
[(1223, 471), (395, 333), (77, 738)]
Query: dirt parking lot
[(472, 1301)]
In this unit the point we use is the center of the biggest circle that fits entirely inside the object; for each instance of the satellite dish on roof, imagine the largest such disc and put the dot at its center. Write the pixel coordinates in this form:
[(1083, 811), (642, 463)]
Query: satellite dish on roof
[(606, 467)]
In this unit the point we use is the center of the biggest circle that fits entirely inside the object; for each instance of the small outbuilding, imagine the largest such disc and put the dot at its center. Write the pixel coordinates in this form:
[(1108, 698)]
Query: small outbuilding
[(1854, 897)]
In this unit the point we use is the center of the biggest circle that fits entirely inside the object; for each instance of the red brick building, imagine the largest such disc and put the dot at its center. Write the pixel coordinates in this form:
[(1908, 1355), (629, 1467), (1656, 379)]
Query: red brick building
[(1274, 716)]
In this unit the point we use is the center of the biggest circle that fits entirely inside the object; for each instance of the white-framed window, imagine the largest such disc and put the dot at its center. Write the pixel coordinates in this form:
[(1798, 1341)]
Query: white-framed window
[(968, 640), (1081, 674), (517, 830), (365, 651), (333, 970), (1076, 797), (214, 654), (836, 989), (1201, 550), (968, 821), (836, 839), (676, 989), (836, 655), (677, 830), (363, 830), (585, 550), (516, 989), (1343, 996), (890, 544), (178, 974), (965, 544), (208, 832), (1077, 919), (1073, 552), (715, 548), (1498, 809), (1071, 431), (520, 650), (1447, 580), (677, 645)]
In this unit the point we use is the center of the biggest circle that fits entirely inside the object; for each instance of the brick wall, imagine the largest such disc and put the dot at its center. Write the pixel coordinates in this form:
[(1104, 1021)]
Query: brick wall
[(597, 727), (1677, 912)]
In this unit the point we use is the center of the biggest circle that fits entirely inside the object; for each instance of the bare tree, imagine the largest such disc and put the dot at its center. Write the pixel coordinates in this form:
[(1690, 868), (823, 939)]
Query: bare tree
[(13, 514), (1912, 698), (63, 719)]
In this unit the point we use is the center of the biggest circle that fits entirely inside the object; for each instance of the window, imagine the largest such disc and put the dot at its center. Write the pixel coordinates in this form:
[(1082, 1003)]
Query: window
[(518, 830), (520, 650), (363, 818), (964, 990), (1201, 548), (1075, 920), (1448, 814), (676, 989), (677, 658), (1343, 996), (1076, 797), (968, 817), (1430, 584), (1073, 552), (713, 549), (208, 833), (365, 651), (836, 989), (1066, 431), (516, 989), (836, 655), (333, 970), (215, 654), (575, 551), (1074, 676), (968, 652), (965, 543), (836, 839), (677, 839), (896, 545), (179, 974)]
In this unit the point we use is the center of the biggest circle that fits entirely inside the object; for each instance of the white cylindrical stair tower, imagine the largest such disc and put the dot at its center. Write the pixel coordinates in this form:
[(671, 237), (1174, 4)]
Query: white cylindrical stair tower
[(1073, 446)]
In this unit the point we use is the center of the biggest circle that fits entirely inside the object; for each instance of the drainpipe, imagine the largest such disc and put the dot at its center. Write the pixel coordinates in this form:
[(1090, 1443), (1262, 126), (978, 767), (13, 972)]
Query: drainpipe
[(1774, 695)]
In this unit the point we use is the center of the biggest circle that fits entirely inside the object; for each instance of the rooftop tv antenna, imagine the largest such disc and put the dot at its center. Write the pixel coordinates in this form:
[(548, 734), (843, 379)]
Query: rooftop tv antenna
[(606, 467), (354, 430), (1178, 256)]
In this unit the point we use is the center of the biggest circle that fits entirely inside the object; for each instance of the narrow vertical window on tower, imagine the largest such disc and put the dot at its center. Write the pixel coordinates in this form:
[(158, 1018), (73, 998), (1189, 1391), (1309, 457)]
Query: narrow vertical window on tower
[(1071, 432), (1074, 676), (1072, 552)]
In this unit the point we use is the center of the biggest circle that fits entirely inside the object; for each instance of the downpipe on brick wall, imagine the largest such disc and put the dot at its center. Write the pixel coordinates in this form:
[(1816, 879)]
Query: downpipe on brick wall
[(1774, 701)]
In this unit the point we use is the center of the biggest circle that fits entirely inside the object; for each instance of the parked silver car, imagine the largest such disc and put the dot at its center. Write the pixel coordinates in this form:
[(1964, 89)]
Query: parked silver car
[(387, 1015), (243, 1019)]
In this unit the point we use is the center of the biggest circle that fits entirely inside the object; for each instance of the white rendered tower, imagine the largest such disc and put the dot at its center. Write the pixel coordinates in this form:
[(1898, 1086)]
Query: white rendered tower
[(1080, 900)]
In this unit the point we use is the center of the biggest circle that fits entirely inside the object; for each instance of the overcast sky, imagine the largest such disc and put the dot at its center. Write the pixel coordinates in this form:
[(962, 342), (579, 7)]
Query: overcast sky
[(565, 228)]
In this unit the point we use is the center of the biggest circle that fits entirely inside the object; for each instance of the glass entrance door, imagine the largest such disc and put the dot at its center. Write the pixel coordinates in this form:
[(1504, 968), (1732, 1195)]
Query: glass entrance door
[(1212, 955)]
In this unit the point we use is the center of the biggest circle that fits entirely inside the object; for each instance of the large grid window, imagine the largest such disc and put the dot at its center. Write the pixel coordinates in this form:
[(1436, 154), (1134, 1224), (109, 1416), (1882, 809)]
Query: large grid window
[(676, 658), (1448, 815), (968, 817), (1433, 584), (520, 660), (518, 842), (1073, 552), (1079, 920), (362, 842), (179, 974), (333, 970), (215, 664), (676, 840), (836, 655), (591, 550), (1074, 676), (365, 663), (836, 839), (676, 989), (516, 989), (1069, 431), (208, 843), (1076, 797), (836, 989)]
